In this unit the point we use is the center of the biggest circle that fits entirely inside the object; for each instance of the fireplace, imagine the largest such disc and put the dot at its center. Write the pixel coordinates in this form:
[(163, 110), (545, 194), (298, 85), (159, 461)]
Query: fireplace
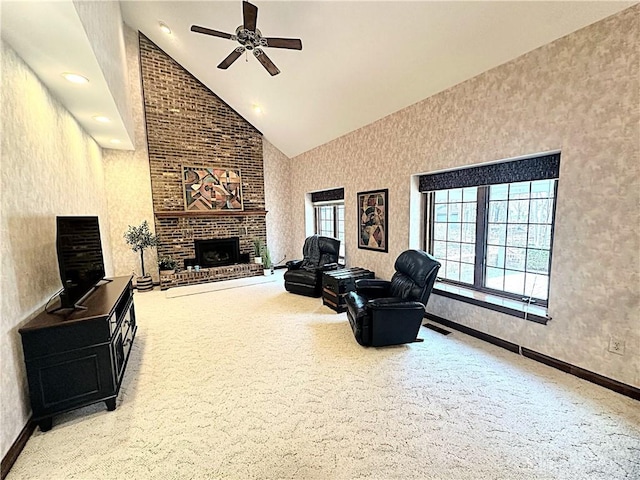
[(217, 252)]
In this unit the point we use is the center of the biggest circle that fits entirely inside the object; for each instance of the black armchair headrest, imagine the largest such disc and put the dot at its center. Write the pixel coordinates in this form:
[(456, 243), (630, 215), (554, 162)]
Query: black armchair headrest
[(319, 251), (329, 245), (415, 275), (416, 264)]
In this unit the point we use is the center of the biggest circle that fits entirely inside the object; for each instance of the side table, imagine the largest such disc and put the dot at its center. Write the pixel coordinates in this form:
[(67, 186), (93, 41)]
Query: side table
[(336, 283)]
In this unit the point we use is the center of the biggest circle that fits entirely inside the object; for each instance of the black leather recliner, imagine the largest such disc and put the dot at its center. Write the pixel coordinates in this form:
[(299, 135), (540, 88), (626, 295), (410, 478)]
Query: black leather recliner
[(304, 277), (390, 313)]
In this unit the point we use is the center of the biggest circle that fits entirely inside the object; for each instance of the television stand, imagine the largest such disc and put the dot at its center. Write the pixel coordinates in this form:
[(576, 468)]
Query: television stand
[(79, 358)]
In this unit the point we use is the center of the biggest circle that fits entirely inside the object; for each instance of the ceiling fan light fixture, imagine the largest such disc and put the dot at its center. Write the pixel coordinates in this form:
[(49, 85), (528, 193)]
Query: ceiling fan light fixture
[(164, 28), (75, 78)]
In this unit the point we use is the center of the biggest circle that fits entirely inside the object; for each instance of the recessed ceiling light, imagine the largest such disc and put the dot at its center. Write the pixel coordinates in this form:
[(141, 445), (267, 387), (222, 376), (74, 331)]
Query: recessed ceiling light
[(115, 141), (257, 109), (165, 28), (75, 78), (101, 119)]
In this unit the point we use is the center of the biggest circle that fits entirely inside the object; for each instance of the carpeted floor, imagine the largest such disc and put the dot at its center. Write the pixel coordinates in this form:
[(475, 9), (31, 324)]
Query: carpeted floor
[(257, 383)]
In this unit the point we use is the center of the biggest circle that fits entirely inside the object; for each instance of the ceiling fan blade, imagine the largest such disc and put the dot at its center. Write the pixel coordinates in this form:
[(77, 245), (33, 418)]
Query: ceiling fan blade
[(232, 57), (208, 31), (250, 16), (291, 43), (266, 62)]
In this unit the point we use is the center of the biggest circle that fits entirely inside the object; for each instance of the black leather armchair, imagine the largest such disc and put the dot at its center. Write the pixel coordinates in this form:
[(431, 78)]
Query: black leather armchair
[(304, 277), (390, 313)]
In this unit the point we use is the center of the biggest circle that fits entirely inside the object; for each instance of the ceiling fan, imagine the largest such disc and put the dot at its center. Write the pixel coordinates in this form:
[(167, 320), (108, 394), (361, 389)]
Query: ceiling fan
[(250, 38)]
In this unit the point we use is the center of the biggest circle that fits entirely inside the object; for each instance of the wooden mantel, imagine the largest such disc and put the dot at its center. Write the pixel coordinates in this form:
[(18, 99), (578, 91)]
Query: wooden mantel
[(213, 213)]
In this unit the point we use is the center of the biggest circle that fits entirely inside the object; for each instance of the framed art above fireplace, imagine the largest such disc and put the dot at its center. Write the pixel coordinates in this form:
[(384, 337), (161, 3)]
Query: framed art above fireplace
[(212, 189)]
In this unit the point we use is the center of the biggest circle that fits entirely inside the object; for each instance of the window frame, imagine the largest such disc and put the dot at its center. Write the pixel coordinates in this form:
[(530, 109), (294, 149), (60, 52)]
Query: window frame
[(481, 243), (336, 204)]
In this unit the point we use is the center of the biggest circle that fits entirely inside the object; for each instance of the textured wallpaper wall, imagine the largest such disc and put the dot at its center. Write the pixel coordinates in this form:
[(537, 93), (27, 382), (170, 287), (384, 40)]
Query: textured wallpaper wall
[(127, 178), (277, 174), (49, 167), (579, 94)]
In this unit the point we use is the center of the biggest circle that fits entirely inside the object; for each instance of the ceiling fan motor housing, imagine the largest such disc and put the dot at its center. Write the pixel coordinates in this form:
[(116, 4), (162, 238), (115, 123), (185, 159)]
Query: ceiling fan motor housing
[(249, 39)]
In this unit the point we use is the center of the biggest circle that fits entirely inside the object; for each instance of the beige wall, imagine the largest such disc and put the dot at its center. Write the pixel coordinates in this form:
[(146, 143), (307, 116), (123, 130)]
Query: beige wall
[(277, 172), (128, 178), (49, 167), (579, 95)]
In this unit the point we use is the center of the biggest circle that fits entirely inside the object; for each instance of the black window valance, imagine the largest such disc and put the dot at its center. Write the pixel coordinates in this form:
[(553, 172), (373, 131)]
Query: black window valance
[(328, 195), (524, 170)]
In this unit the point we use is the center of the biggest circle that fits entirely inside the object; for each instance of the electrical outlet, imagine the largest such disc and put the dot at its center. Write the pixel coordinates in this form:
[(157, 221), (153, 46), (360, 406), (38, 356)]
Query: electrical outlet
[(616, 345)]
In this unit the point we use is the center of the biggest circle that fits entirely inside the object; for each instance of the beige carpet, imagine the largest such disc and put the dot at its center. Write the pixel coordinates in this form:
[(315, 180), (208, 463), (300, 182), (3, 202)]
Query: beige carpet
[(257, 383)]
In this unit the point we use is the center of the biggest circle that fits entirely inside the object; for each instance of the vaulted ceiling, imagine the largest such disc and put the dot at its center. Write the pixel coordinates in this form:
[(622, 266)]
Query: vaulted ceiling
[(360, 60)]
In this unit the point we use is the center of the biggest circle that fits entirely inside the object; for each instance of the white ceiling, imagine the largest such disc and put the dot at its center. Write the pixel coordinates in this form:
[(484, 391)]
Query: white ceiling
[(360, 60)]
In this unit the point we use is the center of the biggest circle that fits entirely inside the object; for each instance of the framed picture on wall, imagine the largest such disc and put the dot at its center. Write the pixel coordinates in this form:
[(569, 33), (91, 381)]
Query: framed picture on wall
[(373, 211), (211, 189)]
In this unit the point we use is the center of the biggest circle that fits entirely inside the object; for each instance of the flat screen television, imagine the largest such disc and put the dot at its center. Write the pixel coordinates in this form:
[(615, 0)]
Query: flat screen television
[(79, 257)]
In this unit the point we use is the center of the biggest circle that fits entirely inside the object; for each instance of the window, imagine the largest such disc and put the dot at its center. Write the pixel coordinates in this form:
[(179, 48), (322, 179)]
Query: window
[(328, 206), (497, 237), (329, 221), (454, 233)]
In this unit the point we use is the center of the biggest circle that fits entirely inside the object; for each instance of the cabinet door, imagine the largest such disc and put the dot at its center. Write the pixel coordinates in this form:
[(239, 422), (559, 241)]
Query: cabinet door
[(61, 382), (119, 354), (123, 341)]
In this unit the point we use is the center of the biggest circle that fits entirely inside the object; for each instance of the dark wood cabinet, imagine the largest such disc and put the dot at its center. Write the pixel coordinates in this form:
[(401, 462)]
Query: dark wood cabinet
[(79, 358)]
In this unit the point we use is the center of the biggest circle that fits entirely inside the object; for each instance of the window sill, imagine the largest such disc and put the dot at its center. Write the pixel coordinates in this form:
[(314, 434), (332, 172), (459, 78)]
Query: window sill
[(533, 313)]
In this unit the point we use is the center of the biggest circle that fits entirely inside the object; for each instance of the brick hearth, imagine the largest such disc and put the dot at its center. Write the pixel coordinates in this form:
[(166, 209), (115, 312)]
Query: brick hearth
[(207, 275)]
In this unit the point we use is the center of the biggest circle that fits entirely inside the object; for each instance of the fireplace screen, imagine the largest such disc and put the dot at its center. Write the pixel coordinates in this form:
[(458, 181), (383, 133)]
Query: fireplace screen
[(217, 252), (211, 189)]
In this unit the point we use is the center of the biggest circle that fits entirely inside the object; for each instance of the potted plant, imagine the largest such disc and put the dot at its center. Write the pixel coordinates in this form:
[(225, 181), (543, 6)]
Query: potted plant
[(167, 265), (266, 260), (141, 238), (257, 250)]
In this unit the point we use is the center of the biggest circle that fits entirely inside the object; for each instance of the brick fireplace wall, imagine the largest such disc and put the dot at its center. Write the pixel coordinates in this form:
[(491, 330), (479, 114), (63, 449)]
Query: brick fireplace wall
[(187, 124)]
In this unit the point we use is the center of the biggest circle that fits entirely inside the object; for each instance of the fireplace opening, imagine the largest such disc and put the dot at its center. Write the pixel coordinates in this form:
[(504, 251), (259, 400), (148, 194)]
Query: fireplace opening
[(217, 252)]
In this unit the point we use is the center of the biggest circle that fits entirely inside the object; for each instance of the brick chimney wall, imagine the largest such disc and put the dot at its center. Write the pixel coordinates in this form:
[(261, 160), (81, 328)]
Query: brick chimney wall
[(187, 124)]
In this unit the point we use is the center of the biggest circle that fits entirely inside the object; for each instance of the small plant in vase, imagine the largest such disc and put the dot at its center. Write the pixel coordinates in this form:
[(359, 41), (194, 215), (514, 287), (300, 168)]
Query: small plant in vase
[(257, 250), (266, 260), (167, 265), (141, 238)]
